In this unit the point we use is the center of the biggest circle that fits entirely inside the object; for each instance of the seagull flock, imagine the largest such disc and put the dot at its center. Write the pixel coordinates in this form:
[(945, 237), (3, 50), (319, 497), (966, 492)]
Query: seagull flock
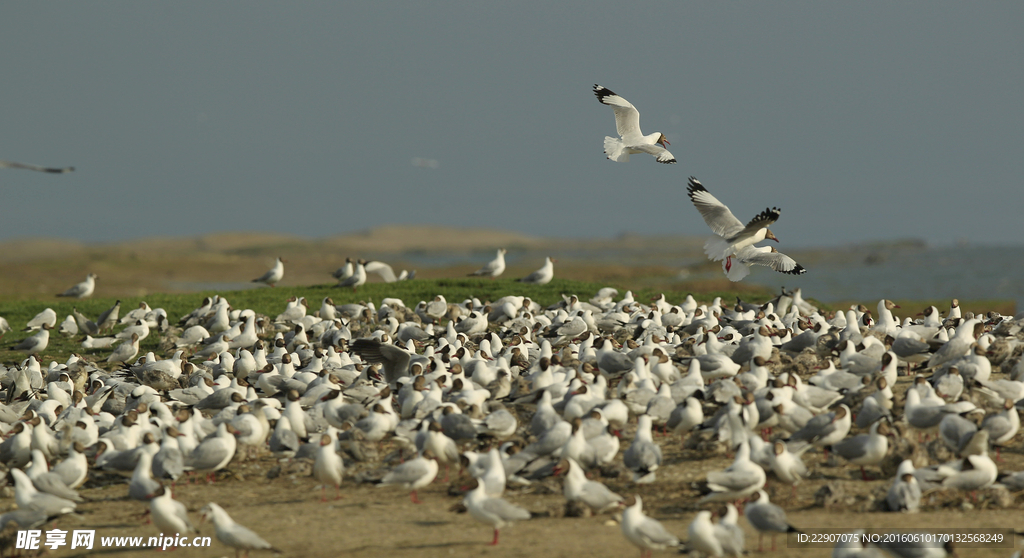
[(506, 395)]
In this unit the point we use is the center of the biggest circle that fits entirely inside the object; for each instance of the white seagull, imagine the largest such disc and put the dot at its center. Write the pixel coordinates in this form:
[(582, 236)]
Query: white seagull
[(542, 276), (494, 268), (627, 124), (35, 343), (731, 235), (168, 514), (83, 289), (496, 512), (646, 533), (357, 278), (232, 534), (273, 275)]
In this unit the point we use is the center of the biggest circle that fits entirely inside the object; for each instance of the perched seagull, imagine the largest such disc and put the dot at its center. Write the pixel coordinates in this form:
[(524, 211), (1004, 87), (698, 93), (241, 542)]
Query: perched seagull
[(767, 256), (496, 512), (739, 480), (494, 268), (26, 495), (232, 534), (345, 271), (542, 276), (577, 488), (168, 514), (646, 533), (35, 343), (627, 124), (273, 275), (328, 467), (125, 351), (54, 170), (48, 317), (701, 534), (357, 278), (766, 517), (414, 475), (904, 494), (83, 289), (731, 235)]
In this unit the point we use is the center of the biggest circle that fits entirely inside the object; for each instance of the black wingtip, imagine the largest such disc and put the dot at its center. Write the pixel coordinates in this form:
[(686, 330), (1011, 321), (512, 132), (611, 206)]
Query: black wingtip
[(769, 214), (601, 92), (695, 186), (798, 270)]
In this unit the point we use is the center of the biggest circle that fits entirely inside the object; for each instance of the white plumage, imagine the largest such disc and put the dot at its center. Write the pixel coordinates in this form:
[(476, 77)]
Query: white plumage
[(631, 140)]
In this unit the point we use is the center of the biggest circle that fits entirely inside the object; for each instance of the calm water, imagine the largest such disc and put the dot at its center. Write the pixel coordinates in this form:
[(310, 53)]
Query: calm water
[(965, 272)]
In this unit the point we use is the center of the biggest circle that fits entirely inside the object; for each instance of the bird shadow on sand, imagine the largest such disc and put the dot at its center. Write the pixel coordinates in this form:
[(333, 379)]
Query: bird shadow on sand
[(98, 551), (440, 545), (430, 523)]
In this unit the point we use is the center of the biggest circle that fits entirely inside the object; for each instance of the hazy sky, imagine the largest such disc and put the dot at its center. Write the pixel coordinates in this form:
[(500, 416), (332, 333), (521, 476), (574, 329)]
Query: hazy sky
[(861, 120)]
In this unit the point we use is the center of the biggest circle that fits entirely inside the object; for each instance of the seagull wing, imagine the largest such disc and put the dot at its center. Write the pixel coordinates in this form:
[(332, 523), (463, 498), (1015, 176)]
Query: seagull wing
[(382, 269), (762, 220), (770, 258), (715, 213), (627, 118), (660, 153)]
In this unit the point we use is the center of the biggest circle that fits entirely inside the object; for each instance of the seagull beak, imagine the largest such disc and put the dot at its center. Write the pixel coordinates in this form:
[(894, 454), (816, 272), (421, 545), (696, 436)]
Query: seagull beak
[(664, 141)]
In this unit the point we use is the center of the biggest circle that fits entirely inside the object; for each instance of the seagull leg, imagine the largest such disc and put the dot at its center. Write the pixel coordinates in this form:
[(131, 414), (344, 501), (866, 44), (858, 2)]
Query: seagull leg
[(495, 541), (323, 492), (773, 542), (728, 264), (412, 495), (863, 475), (760, 541)]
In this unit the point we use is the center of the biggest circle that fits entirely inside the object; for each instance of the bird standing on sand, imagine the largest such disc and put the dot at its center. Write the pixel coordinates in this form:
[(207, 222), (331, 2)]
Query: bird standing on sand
[(494, 268), (631, 140), (542, 276), (232, 534), (496, 512), (766, 517), (646, 533), (413, 474), (273, 275), (83, 289), (328, 467), (169, 515)]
